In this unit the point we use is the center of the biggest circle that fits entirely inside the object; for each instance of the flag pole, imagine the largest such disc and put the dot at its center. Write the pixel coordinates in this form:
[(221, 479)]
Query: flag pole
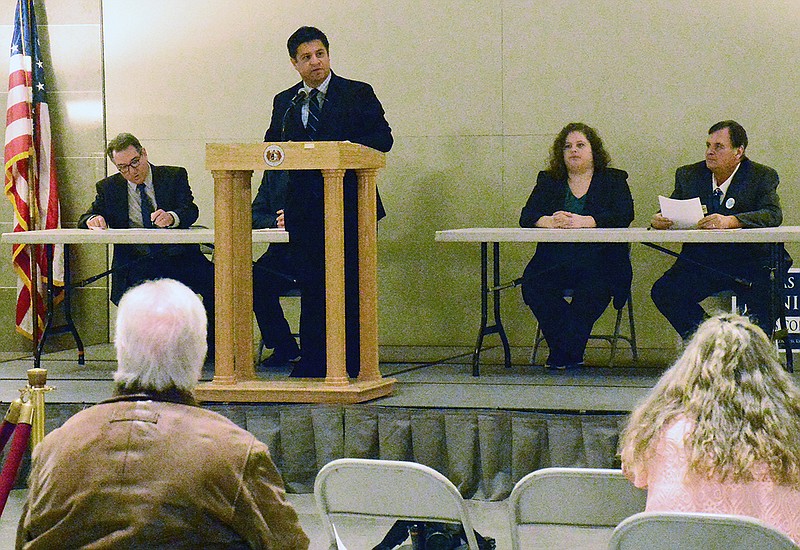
[(34, 260), (33, 194)]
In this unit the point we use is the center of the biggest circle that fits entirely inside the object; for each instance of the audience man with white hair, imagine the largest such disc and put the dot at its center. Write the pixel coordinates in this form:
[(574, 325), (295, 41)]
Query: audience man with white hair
[(149, 468)]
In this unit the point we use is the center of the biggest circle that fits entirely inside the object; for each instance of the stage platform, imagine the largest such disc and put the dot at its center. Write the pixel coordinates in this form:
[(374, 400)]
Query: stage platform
[(442, 379), (484, 433)]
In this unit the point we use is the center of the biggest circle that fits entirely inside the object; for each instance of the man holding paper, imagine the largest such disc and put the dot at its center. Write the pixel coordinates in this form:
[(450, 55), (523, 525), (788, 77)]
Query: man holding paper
[(734, 192)]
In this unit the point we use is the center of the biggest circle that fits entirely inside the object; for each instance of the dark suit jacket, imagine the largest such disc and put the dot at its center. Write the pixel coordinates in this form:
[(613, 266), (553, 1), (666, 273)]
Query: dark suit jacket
[(270, 198), (171, 185), (609, 202), (351, 112), (752, 197)]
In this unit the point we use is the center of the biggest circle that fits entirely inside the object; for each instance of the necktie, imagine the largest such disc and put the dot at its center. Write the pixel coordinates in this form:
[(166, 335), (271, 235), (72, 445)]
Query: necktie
[(314, 113), (147, 207), (716, 201)]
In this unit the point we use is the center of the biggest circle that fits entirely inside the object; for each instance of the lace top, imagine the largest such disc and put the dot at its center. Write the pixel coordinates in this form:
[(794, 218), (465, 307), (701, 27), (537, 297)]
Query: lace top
[(671, 488)]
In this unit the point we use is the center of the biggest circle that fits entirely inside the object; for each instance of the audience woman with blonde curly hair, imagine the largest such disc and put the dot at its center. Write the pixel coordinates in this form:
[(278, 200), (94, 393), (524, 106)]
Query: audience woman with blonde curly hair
[(720, 432)]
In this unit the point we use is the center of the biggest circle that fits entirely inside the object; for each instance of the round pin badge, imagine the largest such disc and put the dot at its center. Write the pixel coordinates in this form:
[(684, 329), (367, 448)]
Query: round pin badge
[(273, 155), (730, 202)]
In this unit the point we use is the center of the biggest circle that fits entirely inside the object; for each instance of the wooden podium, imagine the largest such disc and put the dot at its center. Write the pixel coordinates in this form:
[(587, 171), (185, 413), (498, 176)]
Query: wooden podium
[(232, 167)]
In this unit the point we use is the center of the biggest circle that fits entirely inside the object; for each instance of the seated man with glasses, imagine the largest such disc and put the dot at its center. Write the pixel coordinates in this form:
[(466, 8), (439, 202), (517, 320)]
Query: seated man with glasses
[(145, 195)]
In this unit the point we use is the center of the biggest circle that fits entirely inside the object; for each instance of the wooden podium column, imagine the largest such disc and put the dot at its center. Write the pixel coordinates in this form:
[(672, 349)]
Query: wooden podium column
[(241, 229), (335, 341), (233, 271), (368, 273)]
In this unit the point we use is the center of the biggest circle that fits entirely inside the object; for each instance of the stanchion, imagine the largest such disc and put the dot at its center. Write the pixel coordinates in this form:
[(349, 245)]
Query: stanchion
[(24, 419), (37, 387), (10, 422), (22, 435)]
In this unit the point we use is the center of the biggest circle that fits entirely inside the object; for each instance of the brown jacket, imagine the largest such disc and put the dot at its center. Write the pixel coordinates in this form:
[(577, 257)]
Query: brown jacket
[(137, 473)]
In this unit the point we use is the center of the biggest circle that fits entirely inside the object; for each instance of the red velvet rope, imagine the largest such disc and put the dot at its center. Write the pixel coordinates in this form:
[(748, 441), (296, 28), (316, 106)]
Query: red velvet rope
[(6, 429), (19, 444)]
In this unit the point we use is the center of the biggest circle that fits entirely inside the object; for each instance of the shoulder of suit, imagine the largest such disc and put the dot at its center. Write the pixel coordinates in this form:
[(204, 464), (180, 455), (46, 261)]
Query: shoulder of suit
[(288, 93), (748, 164), (292, 89), (113, 179), (346, 83), (698, 167), (615, 173), (162, 168), (545, 176)]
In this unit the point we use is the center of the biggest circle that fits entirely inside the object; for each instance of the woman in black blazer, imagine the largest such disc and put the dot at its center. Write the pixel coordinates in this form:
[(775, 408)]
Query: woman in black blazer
[(578, 190)]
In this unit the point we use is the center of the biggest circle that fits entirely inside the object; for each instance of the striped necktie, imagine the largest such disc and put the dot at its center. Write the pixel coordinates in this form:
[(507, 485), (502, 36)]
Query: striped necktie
[(147, 207), (716, 201), (314, 113)]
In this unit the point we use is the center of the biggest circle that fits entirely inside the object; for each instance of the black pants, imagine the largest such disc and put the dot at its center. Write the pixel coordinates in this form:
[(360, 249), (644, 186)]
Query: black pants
[(678, 293), (566, 325), (274, 274), (311, 277)]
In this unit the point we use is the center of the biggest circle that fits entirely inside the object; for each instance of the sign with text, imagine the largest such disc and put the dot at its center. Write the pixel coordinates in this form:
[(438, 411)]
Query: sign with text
[(792, 286), (792, 303)]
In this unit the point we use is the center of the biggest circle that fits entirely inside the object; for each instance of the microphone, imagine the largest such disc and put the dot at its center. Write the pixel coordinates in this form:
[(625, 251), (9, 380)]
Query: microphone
[(300, 96)]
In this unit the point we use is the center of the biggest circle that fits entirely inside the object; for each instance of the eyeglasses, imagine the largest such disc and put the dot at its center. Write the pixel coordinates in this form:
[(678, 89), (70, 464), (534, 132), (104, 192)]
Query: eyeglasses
[(124, 168)]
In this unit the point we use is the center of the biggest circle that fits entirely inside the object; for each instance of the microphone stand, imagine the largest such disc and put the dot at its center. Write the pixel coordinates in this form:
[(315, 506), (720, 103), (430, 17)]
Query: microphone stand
[(299, 96)]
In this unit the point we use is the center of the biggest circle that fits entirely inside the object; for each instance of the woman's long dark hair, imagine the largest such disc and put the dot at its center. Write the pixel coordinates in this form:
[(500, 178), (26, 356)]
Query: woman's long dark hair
[(557, 167)]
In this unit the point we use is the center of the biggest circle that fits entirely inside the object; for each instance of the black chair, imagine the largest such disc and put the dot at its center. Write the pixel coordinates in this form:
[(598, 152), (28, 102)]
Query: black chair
[(612, 339)]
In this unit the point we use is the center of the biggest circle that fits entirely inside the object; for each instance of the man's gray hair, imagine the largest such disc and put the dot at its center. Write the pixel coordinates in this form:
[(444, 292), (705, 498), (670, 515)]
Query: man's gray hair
[(160, 337)]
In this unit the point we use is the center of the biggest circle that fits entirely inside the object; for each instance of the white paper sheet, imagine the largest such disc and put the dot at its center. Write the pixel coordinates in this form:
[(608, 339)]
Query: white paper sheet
[(684, 213)]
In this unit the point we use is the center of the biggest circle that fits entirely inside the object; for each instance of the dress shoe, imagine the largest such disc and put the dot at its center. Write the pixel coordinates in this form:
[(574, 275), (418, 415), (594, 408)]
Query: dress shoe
[(304, 369), (282, 357), (564, 367), (278, 361)]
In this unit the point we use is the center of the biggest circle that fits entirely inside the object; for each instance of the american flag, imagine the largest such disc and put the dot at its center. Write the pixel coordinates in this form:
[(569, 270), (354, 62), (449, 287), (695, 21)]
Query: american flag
[(30, 181)]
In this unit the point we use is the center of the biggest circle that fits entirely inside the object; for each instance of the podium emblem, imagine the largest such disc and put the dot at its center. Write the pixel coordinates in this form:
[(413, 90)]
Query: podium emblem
[(273, 155)]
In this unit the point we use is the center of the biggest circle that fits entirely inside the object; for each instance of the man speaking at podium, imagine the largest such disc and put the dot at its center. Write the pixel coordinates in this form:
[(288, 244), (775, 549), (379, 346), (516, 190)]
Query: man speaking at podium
[(323, 107)]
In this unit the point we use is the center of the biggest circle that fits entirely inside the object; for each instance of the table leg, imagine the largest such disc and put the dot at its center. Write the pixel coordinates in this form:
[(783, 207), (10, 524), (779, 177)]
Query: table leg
[(496, 328), (778, 301), (52, 291), (70, 324), (476, 355), (498, 324)]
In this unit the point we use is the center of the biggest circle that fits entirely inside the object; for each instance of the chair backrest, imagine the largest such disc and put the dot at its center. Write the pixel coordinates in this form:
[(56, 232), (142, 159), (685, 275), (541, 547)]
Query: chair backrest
[(572, 496), (387, 488), (669, 530)]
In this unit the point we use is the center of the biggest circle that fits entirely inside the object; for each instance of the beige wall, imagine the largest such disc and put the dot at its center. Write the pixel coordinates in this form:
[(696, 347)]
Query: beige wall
[(474, 91)]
